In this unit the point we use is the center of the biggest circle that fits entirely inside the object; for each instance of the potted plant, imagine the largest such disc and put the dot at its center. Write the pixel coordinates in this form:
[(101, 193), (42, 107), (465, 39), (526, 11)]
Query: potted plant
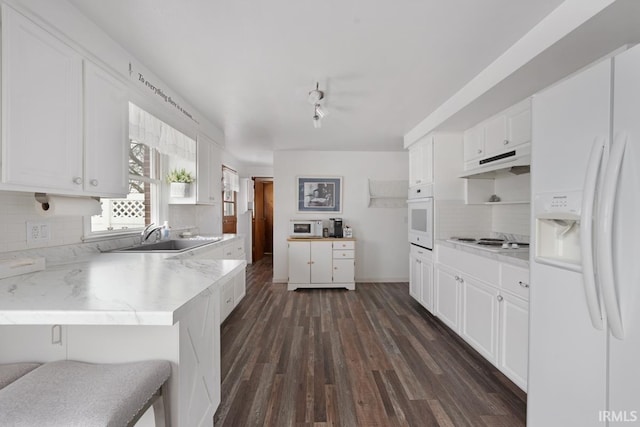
[(180, 182)]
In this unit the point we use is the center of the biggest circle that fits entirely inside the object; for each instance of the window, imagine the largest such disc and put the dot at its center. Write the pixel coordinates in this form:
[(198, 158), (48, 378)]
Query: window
[(154, 147), (138, 208)]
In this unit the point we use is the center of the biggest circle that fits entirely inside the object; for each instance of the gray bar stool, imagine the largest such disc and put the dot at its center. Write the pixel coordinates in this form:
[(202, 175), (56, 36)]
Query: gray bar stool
[(12, 371), (69, 393)]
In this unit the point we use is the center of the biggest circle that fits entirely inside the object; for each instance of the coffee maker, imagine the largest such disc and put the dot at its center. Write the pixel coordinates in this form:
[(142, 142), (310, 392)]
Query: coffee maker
[(335, 227)]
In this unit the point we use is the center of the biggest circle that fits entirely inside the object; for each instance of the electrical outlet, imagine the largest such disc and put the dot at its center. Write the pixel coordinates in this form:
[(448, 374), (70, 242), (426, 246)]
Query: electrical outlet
[(37, 231)]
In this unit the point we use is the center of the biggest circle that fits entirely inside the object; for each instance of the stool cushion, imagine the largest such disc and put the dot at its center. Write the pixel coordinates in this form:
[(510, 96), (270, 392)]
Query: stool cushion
[(12, 371), (70, 393)]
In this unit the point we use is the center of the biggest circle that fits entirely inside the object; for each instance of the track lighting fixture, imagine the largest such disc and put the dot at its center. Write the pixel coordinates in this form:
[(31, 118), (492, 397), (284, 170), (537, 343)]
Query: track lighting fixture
[(315, 96)]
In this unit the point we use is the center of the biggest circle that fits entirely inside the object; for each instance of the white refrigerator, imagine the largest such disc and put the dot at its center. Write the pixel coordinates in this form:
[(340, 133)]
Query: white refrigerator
[(584, 342)]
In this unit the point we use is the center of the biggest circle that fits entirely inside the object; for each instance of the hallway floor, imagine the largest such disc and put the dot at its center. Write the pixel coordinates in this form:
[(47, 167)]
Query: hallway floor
[(373, 357)]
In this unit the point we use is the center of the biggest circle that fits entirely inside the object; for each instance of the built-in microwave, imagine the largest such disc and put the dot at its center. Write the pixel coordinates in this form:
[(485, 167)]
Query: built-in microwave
[(303, 228), (420, 217)]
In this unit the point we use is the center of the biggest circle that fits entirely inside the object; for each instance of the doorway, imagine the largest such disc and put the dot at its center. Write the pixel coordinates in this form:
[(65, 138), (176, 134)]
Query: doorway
[(262, 224)]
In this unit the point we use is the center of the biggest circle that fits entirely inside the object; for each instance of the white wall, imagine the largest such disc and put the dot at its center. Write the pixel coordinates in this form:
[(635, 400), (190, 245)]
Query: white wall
[(382, 251), (17, 208)]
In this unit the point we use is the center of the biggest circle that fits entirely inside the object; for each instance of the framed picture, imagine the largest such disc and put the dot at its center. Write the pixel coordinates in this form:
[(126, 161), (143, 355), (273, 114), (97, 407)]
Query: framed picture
[(319, 194)]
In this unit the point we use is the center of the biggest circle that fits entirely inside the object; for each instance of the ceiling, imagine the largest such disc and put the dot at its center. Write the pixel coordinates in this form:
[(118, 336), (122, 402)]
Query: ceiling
[(248, 65)]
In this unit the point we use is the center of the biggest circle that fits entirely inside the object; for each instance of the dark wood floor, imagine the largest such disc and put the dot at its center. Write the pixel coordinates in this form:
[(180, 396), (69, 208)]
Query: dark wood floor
[(373, 357)]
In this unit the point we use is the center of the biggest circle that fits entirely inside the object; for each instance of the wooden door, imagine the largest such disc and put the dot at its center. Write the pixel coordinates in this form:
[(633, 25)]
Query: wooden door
[(258, 220), (262, 217), (268, 216)]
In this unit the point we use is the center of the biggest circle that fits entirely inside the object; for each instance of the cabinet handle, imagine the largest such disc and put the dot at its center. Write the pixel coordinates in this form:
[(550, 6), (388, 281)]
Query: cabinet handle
[(56, 334), (421, 253), (523, 284), (500, 298), (77, 180), (505, 142), (335, 268), (94, 182), (479, 151)]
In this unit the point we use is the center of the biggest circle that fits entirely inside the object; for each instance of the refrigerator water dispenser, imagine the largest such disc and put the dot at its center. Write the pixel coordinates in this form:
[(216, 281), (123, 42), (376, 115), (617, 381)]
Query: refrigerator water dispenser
[(557, 217)]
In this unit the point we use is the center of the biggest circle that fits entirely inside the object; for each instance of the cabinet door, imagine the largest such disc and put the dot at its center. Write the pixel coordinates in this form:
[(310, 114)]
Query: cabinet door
[(415, 278), (37, 343), (215, 173), (519, 126), (226, 299), (495, 135), (203, 160), (480, 317), (415, 164), (208, 172), (343, 271), (299, 262), (447, 297), (239, 287), (228, 251), (421, 162), (41, 108), (106, 141), (474, 143), (321, 262), (426, 283), (514, 339)]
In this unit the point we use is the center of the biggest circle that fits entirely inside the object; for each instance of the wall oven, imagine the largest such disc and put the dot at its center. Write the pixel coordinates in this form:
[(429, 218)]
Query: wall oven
[(420, 218)]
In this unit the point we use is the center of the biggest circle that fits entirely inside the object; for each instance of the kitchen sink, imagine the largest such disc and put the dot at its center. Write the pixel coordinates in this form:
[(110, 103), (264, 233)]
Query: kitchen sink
[(170, 246)]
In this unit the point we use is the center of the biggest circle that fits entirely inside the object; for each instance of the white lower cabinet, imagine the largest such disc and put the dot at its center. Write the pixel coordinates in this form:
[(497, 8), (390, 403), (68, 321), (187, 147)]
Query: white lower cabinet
[(233, 290), (486, 303), (37, 343), (326, 263), (421, 277), (480, 317), (514, 339), (447, 286)]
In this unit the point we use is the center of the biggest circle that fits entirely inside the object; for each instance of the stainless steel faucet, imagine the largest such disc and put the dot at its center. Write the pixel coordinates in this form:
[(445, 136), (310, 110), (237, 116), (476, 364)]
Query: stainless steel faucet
[(148, 231)]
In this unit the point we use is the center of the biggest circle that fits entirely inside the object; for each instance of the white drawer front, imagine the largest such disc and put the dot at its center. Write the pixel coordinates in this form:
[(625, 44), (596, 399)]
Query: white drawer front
[(343, 254), (421, 253), (477, 266), (515, 280), (344, 245)]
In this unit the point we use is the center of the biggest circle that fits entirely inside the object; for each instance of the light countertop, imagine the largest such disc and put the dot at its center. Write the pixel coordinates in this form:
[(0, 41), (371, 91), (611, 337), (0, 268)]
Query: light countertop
[(519, 259), (111, 289)]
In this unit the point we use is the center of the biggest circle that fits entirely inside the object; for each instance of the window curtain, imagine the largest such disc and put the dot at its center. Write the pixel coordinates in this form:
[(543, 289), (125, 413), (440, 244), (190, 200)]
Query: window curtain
[(154, 133), (230, 180)]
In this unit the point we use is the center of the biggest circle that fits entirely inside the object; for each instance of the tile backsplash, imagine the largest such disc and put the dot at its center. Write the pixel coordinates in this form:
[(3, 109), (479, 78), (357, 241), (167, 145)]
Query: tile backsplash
[(455, 218), (17, 208)]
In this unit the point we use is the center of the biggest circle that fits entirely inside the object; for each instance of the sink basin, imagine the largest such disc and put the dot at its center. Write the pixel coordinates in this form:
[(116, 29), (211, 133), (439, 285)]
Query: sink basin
[(170, 246)]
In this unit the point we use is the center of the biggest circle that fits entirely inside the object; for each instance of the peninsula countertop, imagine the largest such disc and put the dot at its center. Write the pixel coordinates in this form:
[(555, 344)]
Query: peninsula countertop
[(111, 289)]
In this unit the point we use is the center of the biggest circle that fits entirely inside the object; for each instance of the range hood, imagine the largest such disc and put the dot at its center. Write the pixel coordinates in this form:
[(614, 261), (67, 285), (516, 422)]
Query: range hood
[(516, 161)]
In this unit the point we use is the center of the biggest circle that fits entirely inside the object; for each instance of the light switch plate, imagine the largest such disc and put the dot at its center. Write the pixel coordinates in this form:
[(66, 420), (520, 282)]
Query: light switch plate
[(38, 231)]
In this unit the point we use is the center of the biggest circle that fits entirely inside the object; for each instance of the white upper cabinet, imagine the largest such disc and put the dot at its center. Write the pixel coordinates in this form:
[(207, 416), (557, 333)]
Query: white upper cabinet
[(106, 122), (208, 172), (500, 133), (64, 131), (495, 135), (41, 108), (421, 162), (474, 143)]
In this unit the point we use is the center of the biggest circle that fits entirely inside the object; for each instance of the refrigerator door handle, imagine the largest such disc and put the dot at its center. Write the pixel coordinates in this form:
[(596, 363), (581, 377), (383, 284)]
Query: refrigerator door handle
[(586, 232), (605, 237)]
